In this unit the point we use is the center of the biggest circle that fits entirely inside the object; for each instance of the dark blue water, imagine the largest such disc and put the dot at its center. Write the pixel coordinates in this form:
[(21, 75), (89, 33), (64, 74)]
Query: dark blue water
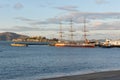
[(36, 62)]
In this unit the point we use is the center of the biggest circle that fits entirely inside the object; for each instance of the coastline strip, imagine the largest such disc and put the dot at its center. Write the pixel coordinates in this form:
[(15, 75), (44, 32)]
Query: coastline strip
[(107, 75)]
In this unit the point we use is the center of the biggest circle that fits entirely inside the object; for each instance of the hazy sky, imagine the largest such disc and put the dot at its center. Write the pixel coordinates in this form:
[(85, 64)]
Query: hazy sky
[(42, 17)]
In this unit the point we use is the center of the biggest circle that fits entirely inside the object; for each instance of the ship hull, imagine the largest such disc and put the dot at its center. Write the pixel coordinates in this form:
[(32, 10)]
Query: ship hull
[(75, 45), (19, 45)]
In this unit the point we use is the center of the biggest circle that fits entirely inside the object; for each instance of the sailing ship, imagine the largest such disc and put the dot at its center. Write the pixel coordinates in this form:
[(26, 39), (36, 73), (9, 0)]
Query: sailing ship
[(86, 42)]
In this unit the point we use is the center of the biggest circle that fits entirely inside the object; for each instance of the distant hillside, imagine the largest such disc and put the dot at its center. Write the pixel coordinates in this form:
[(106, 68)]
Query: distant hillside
[(8, 36)]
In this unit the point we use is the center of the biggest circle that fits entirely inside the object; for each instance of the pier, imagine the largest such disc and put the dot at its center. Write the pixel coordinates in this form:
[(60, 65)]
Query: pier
[(33, 41)]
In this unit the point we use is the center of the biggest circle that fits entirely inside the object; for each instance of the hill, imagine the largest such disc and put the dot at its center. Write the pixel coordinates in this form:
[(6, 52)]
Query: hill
[(8, 36)]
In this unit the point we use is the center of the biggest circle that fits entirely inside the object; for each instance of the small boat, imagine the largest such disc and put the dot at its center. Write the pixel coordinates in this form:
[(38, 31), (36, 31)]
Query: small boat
[(19, 45), (60, 45)]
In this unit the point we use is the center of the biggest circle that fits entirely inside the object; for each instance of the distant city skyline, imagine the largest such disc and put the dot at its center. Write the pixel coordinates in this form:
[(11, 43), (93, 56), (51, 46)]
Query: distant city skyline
[(42, 17)]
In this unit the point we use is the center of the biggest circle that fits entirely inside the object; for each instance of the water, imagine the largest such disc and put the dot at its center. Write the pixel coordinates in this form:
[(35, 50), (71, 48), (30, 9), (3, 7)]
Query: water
[(36, 62)]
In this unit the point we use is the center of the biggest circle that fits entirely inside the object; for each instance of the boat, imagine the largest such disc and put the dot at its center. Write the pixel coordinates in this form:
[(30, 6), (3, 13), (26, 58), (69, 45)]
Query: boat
[(75, 44), (61, 45), (84, 44), (19, 45), (110, 43)]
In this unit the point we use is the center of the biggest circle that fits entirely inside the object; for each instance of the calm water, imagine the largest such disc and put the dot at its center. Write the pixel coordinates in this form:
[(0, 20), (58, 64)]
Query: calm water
[(36, 62)]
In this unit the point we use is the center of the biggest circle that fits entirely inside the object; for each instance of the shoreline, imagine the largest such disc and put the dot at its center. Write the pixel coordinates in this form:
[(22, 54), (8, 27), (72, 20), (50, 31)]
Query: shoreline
[(105, 75)]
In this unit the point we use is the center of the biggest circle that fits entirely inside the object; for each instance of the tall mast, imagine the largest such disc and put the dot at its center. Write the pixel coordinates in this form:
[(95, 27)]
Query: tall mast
[(85, 32), (71, 30), (85, 29), (60, 33)]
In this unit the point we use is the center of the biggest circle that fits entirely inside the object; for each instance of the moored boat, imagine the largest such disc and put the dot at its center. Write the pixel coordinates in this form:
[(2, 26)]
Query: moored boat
[(110, 43), (81, 45), (75, 44), (60, 45), (19, 45)]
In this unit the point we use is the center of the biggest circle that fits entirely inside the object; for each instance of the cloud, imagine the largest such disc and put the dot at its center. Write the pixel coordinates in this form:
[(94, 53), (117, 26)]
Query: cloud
[(18, 6), (101, 1), (39, 22), (78, 17), (47, 21), (23, 19), (21, 28), (26, 28), (67, 8), (31, 22), (114, 25), (96, 15), (106, 19), (78, 20)]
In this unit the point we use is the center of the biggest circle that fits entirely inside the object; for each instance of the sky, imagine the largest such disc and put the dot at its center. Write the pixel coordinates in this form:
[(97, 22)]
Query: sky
[(42, 17)]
